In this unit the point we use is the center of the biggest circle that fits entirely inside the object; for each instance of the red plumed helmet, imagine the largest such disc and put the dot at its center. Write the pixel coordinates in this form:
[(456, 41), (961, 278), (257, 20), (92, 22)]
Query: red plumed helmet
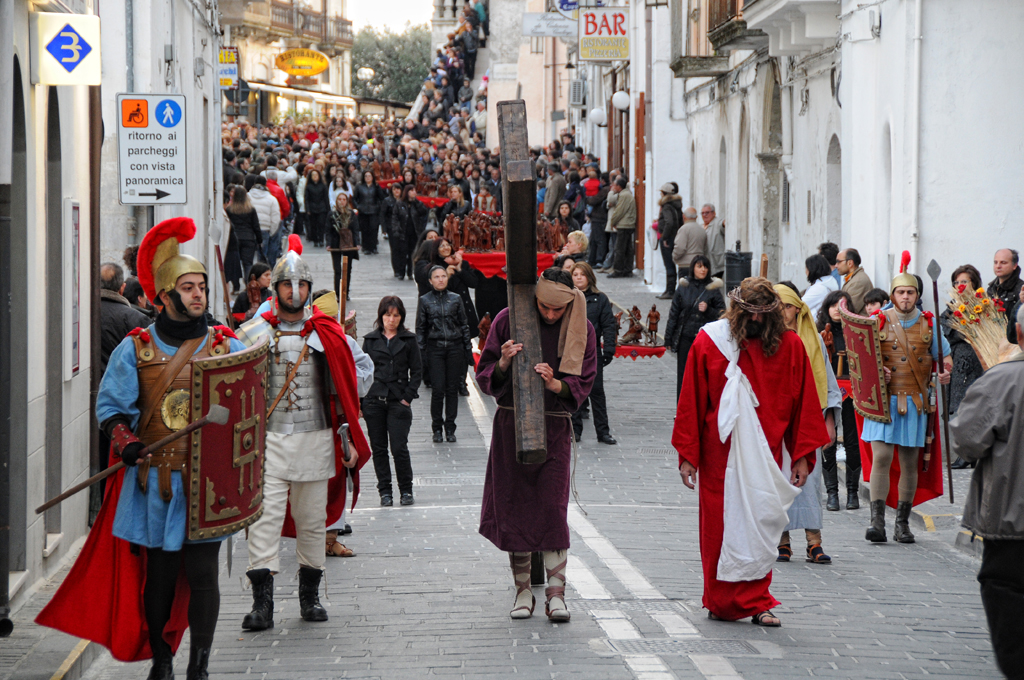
[(295, 244), (904, 261), (904, 278), (160, 264)]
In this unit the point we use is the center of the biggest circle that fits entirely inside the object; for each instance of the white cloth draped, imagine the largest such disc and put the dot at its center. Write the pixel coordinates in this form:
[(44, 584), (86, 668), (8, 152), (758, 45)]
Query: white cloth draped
[(757, 493)]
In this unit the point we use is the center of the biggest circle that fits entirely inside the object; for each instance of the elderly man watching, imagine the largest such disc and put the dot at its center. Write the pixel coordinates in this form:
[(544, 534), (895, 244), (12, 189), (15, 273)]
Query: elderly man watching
[(856, 282), (1007, 286), (691, 241), (989, 428), (714, 227)]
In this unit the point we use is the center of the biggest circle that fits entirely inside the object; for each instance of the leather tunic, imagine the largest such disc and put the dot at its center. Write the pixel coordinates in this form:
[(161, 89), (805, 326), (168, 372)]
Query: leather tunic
[(171, 409), (305, 405), (910, 362)]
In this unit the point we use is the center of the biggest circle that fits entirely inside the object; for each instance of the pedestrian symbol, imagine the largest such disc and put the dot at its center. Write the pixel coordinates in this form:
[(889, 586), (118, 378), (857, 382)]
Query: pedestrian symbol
[(134, 113), (68, 48), (168, 113)]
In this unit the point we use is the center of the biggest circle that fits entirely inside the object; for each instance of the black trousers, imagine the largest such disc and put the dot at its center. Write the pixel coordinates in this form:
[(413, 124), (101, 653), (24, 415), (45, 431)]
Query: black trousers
[(389, 420), (624, 254), (598, 249), (670, 268), (300, 224), (1002, 595), (201, 563), (336, 261), (317, 228), (246, 256), (684, 350), (447, 366), (401, 258), (368, 227), (598, 404), (470, 64), (851, 442)]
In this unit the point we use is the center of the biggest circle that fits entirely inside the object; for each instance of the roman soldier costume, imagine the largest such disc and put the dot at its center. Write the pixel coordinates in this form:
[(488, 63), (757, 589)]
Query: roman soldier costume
[(908, 348), (316, 377), (149, 567)]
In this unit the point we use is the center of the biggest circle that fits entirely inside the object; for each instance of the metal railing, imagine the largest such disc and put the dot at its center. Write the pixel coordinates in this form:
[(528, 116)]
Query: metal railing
[(312, 25), (282, 16), (339, 30)]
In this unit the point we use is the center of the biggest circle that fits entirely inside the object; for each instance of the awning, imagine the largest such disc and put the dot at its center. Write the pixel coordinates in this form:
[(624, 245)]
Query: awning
[(305, 95)]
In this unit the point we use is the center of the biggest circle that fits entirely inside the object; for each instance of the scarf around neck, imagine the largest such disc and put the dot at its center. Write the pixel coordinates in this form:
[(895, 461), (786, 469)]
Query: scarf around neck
[(572, 334), (177, 332)]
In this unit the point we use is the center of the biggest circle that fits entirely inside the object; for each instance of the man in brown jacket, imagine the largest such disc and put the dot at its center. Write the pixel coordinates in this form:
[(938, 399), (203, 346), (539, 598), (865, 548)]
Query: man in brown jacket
[(857, 283), (691, 241), (989, 428)]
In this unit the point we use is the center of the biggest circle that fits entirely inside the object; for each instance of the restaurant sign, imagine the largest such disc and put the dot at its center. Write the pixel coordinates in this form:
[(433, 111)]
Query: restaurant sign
[(302, 62)]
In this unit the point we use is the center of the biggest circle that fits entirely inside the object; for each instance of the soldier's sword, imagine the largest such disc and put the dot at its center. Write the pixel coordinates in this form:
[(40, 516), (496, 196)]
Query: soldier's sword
[(217, 415)]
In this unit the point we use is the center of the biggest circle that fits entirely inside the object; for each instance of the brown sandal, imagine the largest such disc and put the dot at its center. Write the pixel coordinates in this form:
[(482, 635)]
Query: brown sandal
[(335, 549), (760, 619)]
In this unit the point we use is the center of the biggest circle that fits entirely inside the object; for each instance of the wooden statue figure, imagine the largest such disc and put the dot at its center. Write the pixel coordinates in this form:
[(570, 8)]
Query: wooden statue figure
[(653, 317), (484, 327), (635, 333), (618, 326)]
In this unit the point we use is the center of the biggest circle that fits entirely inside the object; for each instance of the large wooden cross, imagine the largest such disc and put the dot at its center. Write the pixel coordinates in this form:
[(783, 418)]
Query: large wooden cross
[(519, 191)]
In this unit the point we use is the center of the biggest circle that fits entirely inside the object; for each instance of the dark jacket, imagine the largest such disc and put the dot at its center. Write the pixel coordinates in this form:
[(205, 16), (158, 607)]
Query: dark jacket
[(1009, 292), (246, 227), (599, 314), (318, 199), (451, 208), (367, 199), (441, 321), (459, 283), (684, 321), (599, 215), (397, 367), (117, 319), (495, 189), (395, 218), (670, 218), (966, 366), (336, 225)]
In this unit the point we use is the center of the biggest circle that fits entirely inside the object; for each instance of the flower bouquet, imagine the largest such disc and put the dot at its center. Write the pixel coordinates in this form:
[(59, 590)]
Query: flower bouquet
[(981, 321)]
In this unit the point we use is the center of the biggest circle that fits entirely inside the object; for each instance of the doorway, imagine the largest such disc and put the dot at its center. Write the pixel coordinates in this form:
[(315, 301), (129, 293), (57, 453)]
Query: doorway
[(54, 312)]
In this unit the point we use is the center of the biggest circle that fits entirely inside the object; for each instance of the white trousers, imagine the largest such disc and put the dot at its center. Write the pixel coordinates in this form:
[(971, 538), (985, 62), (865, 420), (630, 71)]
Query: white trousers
[(309, 510)]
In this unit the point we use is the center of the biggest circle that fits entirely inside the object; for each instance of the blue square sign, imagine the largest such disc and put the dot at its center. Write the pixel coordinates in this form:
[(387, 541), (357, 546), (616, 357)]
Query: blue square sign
[(68, 48)]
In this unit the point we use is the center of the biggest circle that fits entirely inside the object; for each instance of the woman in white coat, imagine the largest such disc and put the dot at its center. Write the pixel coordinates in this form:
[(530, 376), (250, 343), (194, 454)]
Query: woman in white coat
[(819, 275)]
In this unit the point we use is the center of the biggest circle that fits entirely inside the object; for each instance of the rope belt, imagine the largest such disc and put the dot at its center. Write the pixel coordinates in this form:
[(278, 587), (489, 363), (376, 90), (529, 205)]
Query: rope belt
[(575, 451)]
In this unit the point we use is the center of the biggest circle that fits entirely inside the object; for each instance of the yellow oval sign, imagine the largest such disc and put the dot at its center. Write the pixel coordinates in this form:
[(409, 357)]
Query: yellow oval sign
[(302, 62)]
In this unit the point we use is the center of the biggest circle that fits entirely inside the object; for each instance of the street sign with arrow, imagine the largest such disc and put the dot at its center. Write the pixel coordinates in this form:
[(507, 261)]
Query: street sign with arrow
[(152, 150)]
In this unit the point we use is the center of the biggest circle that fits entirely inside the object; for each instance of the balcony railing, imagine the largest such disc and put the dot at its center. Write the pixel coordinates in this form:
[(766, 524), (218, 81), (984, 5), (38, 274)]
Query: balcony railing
[(722, 11), (282, 16), (275, 19), (339, 31), (311, 25)]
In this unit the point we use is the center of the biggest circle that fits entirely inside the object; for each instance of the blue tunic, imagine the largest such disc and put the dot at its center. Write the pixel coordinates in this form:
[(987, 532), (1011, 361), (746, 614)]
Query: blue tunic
[(143, 518), (906, 429)]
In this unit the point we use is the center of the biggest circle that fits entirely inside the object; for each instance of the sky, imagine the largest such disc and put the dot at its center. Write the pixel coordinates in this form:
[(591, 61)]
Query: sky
[(391, 13)]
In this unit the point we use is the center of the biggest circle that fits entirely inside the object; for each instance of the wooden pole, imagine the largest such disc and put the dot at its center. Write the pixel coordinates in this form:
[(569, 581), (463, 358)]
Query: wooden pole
[(343, 295), (224, 282), (519, 192)]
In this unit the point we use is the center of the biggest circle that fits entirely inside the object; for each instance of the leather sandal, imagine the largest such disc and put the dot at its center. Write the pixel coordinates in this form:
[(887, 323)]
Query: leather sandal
[(335, 549), (522, 568), (785, 554), (558, 614), (816, 555), (760, 619)]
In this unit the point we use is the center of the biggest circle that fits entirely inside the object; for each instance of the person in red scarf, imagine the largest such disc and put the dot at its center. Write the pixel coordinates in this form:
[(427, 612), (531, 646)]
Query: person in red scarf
[(317, 375), (749, 405)]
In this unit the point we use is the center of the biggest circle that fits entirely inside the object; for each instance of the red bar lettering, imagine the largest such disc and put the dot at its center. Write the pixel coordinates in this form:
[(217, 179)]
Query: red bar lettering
[(605, 29), (591, 25), (619, 28)]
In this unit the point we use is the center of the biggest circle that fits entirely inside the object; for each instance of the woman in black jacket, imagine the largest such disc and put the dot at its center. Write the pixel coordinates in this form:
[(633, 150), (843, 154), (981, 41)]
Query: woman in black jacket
[(257, 291), (387, 407), (342, 240), (698, 300), (368, 198), (599, 314), (396, 220), (443, 336), (598, 204), (318, 207), (245, 227), (457, 204)]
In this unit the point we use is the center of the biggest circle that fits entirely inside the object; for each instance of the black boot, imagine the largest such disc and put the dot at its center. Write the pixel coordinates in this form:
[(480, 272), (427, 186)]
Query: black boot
[(198, 659), (961, 464), (309, 594), (831, 475), (876, 532), (853, 490), (163, 659), (832, 503), (901, 534), (262, 615)]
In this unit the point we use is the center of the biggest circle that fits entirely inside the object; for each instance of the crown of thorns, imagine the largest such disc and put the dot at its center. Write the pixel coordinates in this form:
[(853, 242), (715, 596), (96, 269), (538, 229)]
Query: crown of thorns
[(734, 295)]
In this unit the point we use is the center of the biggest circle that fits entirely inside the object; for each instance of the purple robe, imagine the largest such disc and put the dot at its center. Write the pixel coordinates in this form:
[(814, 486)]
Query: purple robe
[(525, 506)]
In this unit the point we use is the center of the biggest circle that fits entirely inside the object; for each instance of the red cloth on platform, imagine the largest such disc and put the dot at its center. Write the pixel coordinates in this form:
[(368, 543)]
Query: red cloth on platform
[(493, 264), (101, 597), (639, 351), (788, 411), (343, 372), (432, 201)]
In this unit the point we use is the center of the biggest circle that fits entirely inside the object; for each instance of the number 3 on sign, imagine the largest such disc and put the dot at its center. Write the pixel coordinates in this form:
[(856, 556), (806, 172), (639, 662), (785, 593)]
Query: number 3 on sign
[(72, 47)]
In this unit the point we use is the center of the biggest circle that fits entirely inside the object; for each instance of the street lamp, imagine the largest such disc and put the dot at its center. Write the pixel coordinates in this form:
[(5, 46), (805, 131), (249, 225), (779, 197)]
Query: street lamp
[(365, 74), (598, 117), (620, 100)]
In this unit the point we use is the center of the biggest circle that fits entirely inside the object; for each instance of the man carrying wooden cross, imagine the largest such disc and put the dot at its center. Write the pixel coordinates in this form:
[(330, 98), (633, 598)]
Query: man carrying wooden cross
[(525, 505)]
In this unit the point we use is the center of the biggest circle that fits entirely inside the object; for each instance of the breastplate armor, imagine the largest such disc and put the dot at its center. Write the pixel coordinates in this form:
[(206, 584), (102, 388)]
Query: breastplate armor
[(903, 361), (172, 408), (304, 405)]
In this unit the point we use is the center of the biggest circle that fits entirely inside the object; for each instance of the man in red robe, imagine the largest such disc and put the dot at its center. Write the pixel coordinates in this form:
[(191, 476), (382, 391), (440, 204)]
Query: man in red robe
[(750, 421)]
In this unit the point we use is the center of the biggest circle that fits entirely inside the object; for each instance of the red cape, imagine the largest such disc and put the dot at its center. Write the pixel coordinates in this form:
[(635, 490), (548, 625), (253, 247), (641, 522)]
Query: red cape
[(929, 484), (343, 372), (101, 597)]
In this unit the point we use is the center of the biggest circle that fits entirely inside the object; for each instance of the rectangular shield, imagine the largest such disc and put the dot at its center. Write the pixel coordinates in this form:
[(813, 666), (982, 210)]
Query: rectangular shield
[(225, 469), (864, 355)]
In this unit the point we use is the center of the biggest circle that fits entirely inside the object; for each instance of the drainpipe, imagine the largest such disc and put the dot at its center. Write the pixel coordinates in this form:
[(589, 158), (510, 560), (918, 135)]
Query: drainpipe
[(915, 144), (786, 99)]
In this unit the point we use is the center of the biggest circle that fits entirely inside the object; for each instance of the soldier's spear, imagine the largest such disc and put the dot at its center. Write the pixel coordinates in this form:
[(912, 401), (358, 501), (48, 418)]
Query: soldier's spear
[(217, 415), (934, 270)]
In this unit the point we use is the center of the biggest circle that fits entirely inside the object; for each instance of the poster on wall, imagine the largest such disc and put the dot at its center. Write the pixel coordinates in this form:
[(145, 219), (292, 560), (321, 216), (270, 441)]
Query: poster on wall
[(227, 68), (604, 34)]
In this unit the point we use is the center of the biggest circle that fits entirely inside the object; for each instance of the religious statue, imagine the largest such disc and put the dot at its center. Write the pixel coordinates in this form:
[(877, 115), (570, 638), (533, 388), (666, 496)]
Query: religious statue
[(653, 317), (634, 334), (484, 327)]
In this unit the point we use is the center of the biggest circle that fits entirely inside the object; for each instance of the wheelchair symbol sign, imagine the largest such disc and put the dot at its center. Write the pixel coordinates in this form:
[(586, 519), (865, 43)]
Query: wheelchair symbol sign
[(168, 113), (68, 48)]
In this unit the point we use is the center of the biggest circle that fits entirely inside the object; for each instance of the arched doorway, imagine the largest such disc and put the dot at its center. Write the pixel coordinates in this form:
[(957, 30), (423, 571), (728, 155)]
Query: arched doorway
[(55, 311), (14, 338), (834, 192)]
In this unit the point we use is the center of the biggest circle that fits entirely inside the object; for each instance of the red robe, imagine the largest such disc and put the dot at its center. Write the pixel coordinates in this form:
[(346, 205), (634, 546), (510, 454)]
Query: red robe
[(789, 411)]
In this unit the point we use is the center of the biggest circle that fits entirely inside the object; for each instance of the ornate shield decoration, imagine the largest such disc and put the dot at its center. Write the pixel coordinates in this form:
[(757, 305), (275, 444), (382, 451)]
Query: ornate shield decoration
[(864, 355), (225, 468)]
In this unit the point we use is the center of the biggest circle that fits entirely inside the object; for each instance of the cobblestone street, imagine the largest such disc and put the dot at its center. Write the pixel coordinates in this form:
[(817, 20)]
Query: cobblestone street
[(426, 595)]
